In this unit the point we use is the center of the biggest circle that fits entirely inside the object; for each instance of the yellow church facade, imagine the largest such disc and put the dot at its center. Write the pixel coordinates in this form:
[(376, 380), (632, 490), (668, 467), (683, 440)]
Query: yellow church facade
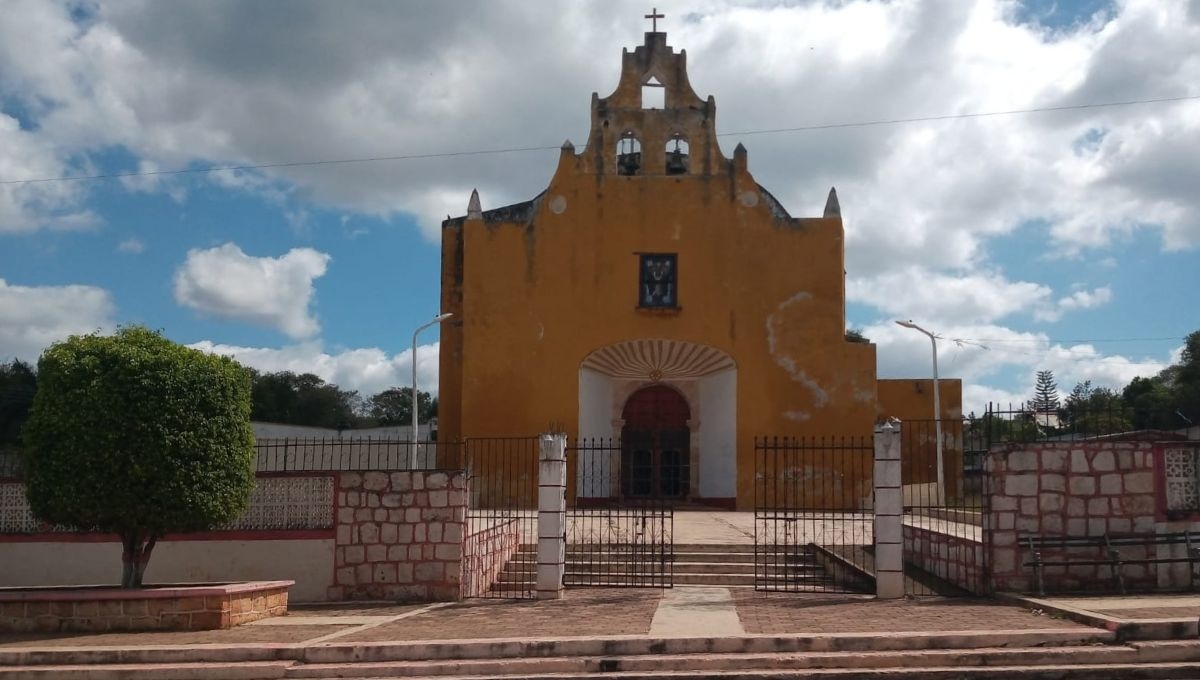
[(655, 293)]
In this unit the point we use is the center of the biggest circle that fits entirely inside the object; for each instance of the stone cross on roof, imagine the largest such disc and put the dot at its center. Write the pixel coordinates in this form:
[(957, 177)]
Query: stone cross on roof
[(654, 16)]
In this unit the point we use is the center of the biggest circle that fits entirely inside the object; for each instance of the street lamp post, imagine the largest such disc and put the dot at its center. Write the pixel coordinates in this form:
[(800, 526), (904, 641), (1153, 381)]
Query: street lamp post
[(412, 452), (937, 411)]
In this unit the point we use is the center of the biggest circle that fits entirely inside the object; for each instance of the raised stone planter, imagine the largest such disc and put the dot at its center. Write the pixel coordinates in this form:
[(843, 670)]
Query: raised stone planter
[(203, 606)]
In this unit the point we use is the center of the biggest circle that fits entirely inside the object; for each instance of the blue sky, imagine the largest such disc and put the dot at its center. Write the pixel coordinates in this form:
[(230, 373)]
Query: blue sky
[(1059, 240)]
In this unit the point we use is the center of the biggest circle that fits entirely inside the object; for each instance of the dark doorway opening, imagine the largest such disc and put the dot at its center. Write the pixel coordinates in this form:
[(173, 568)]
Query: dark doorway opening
[(656, 444)]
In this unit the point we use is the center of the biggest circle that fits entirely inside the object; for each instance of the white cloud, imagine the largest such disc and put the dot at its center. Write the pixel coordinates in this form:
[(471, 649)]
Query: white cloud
[(132, 245), (957, 299), (33, 317), (266, 291), (915, 293), (227, 83), (29, 207), (195, 83), (148, 178), (1080, 299), (368, 370), (983, 352)]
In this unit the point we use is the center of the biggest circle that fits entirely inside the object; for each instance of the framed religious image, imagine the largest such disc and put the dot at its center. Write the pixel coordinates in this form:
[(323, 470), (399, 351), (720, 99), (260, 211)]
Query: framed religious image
[(658, 276)]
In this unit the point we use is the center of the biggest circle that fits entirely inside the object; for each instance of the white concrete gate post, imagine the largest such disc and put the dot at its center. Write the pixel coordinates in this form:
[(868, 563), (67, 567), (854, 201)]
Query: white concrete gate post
[(552, 516), (889, 529)]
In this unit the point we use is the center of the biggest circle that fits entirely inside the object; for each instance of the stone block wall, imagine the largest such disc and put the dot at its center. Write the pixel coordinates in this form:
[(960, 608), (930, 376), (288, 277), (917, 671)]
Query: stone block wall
[(400, 535), (485, 552), (953, 558), (1073, 489)]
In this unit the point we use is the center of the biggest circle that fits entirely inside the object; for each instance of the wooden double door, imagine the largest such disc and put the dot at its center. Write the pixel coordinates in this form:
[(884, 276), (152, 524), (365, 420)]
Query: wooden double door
[(656, 445)]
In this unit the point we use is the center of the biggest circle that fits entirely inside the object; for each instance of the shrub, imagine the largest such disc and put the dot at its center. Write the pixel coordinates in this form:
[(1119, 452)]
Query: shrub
[(137, 435)]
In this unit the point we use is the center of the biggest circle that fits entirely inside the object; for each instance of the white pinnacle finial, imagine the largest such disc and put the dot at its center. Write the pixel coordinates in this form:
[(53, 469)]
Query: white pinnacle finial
[(832, 207), (474, 211)]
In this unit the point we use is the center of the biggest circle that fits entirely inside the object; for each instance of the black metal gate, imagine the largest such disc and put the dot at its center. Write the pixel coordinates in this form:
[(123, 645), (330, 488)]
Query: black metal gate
[(813, 522), (945, 546), (500, 546), (620, 521)]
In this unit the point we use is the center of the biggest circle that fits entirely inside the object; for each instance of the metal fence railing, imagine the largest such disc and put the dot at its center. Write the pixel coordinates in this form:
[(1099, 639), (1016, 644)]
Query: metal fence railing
[(1069, 421), (813, 515), (332, 454)]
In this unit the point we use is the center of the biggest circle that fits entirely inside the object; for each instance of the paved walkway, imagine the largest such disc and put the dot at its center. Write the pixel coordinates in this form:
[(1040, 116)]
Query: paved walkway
[(680, 611), (696, 612)]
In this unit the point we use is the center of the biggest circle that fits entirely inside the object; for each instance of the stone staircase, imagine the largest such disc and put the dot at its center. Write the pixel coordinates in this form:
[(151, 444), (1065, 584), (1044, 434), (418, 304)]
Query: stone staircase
[(1025, 655), (694, 564)]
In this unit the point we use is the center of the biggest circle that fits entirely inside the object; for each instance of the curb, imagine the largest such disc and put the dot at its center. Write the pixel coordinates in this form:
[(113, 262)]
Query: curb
[(1125, 629), (629, 645)]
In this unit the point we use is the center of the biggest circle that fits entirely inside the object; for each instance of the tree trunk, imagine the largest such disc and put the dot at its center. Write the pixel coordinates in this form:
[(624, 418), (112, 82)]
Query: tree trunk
[(135, 553)]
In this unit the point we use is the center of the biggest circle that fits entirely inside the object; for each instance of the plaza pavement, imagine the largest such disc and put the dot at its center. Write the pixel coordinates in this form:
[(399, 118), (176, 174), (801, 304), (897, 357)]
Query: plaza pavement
[(677, 612), (592, 623)]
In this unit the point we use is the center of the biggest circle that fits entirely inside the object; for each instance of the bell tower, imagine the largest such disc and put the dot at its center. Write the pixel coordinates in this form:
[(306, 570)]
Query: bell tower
[(653, 124)]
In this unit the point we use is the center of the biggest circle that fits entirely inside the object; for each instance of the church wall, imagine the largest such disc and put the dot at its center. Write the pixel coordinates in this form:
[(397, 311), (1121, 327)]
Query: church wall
[(450, 385), (539, 296), (539, 286), (911, 400)]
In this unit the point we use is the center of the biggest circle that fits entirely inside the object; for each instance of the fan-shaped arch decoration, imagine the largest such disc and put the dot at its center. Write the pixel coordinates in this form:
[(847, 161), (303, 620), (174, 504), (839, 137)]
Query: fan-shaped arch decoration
[(658, 359)]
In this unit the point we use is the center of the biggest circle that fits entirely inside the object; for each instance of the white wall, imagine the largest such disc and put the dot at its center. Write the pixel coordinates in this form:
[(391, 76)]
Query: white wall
[(282, 431), (50, 563), (595, 422), (718, 435)]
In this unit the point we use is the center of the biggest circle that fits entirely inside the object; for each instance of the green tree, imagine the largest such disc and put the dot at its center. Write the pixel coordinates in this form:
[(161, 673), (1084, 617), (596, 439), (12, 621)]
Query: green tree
[(1045, 393), (394, 406), (1096, 411), (855, 335), (136, 435), (997, 428), (1151, 403), (18, 383), (1186, 383), (303, 399)]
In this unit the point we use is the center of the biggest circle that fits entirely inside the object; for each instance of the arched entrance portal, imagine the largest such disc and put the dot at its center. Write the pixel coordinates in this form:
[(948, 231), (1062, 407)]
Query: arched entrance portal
[(673, 405), (655, 444)]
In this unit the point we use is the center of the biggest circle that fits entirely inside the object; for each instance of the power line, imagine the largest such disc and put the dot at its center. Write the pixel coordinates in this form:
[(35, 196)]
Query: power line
[(1067, 341), (955, 116), (485, 152)]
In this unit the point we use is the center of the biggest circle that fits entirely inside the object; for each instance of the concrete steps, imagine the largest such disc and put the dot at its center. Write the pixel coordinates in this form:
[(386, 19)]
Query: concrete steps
[(696, 564), (1026, 655)]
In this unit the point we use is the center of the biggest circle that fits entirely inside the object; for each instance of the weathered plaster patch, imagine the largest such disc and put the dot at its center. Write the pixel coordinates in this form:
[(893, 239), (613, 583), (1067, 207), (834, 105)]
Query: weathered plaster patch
[(786, 362)]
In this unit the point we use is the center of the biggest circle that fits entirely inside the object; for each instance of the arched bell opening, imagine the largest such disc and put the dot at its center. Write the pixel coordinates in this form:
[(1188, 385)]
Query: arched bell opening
[(678, 160), (629, 154)]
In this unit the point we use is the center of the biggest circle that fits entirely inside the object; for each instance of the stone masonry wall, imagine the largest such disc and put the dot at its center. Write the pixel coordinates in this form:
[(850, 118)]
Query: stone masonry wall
[(400, 535), (485, 553), (1074, 489), (954, 559)]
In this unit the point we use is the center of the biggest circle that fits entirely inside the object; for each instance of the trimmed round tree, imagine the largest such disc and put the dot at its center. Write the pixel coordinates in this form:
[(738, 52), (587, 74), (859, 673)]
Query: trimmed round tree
[(136, 435)]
